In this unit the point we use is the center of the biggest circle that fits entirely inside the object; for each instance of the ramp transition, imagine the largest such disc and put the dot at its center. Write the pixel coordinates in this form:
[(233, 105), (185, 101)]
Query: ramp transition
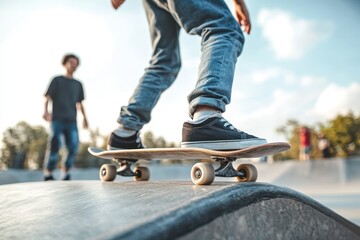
[(165, 210)]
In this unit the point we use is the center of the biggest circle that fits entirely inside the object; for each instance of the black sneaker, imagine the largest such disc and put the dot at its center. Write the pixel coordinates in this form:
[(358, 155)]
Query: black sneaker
[(67, 177), (218, 134), (132, 142), (49, 178)]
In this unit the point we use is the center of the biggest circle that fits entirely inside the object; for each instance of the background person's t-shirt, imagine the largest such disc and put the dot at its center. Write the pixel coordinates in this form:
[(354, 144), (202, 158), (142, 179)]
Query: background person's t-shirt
[(65, 93)]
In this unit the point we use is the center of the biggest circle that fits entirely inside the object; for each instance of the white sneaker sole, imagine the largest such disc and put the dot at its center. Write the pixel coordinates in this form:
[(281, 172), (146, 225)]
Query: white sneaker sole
[(225, 144)]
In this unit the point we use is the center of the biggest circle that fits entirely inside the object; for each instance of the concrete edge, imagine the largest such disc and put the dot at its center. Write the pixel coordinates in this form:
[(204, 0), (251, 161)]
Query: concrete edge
[(202, 211)]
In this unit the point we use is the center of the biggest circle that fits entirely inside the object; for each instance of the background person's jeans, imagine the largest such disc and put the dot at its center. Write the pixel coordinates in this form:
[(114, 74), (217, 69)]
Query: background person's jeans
[(222, 43), (70, 132)]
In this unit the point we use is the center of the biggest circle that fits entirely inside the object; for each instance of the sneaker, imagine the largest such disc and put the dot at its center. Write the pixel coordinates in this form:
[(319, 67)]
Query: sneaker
[(218, 134), (49, 178), (132, 142), (67, 177)]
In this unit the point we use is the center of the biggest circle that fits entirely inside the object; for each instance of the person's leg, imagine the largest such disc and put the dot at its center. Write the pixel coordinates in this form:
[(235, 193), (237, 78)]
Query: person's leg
[(222, 43), (302, 153), (52, 152), (72, 143), (164, 66), (307, 152), (160, 74)]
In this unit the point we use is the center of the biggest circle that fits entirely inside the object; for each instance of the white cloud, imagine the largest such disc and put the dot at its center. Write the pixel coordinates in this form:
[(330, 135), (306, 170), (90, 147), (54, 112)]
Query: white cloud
[(265, 75), (336, 99), (291, 38), (307, 81), (270, 74), (283, 75), (281, 104)]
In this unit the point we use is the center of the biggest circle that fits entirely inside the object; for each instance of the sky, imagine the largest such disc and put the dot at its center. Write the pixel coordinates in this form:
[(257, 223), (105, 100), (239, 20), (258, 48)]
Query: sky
[(301, 61)]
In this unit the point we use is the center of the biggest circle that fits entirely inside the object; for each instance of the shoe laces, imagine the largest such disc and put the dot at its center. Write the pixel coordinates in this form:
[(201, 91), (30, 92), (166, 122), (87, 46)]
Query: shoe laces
[(227, 124)]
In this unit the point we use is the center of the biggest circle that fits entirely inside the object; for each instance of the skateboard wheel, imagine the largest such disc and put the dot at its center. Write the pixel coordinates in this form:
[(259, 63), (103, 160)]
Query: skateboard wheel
[(141, 173), (202, 174), (250, 173), (107, 173)]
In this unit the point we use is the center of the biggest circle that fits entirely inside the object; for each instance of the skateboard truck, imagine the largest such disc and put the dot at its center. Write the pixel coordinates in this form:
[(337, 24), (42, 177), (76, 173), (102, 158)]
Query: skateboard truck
[(125, 168), (226, 168), (108, 172)]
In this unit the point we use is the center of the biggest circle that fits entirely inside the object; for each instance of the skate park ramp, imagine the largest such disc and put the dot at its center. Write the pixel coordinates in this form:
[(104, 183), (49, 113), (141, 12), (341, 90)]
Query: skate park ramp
[(165, 210)]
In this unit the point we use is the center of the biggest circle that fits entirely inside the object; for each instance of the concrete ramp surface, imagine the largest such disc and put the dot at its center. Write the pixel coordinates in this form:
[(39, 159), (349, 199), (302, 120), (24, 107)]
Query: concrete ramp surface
[(164, 210)]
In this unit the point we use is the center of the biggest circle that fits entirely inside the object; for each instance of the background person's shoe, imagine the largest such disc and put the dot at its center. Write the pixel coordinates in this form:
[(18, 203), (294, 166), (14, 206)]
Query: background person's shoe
[(67, 177), (218, 134), (49, 178)]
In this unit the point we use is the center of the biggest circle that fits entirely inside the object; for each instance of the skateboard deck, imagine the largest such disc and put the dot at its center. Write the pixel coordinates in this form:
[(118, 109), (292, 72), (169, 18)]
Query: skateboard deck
[(201, 173), (189, 153)]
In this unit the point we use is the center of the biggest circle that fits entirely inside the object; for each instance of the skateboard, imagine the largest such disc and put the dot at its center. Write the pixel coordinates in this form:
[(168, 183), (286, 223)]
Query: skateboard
[(202, 173)]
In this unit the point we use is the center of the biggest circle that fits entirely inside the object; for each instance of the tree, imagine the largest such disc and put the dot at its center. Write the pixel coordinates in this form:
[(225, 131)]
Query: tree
[(289, 130), (343, 132), (24, 146)]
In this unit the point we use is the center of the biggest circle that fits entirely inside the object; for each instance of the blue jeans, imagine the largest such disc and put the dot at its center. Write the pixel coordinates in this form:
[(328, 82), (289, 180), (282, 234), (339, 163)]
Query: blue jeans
[(70, 132), (222, 43)]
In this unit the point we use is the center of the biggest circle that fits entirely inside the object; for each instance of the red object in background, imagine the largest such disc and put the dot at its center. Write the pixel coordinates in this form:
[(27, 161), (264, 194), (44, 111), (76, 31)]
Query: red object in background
[(305, 137)]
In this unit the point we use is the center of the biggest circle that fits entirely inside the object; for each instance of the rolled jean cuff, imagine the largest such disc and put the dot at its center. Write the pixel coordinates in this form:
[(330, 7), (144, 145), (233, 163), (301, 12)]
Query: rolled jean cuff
[(136, 126), (206, 101)]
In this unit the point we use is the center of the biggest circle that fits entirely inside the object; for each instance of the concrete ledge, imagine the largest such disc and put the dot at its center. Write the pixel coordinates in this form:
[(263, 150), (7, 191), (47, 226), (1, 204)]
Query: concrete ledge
[(249, 211), (164, 210)]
